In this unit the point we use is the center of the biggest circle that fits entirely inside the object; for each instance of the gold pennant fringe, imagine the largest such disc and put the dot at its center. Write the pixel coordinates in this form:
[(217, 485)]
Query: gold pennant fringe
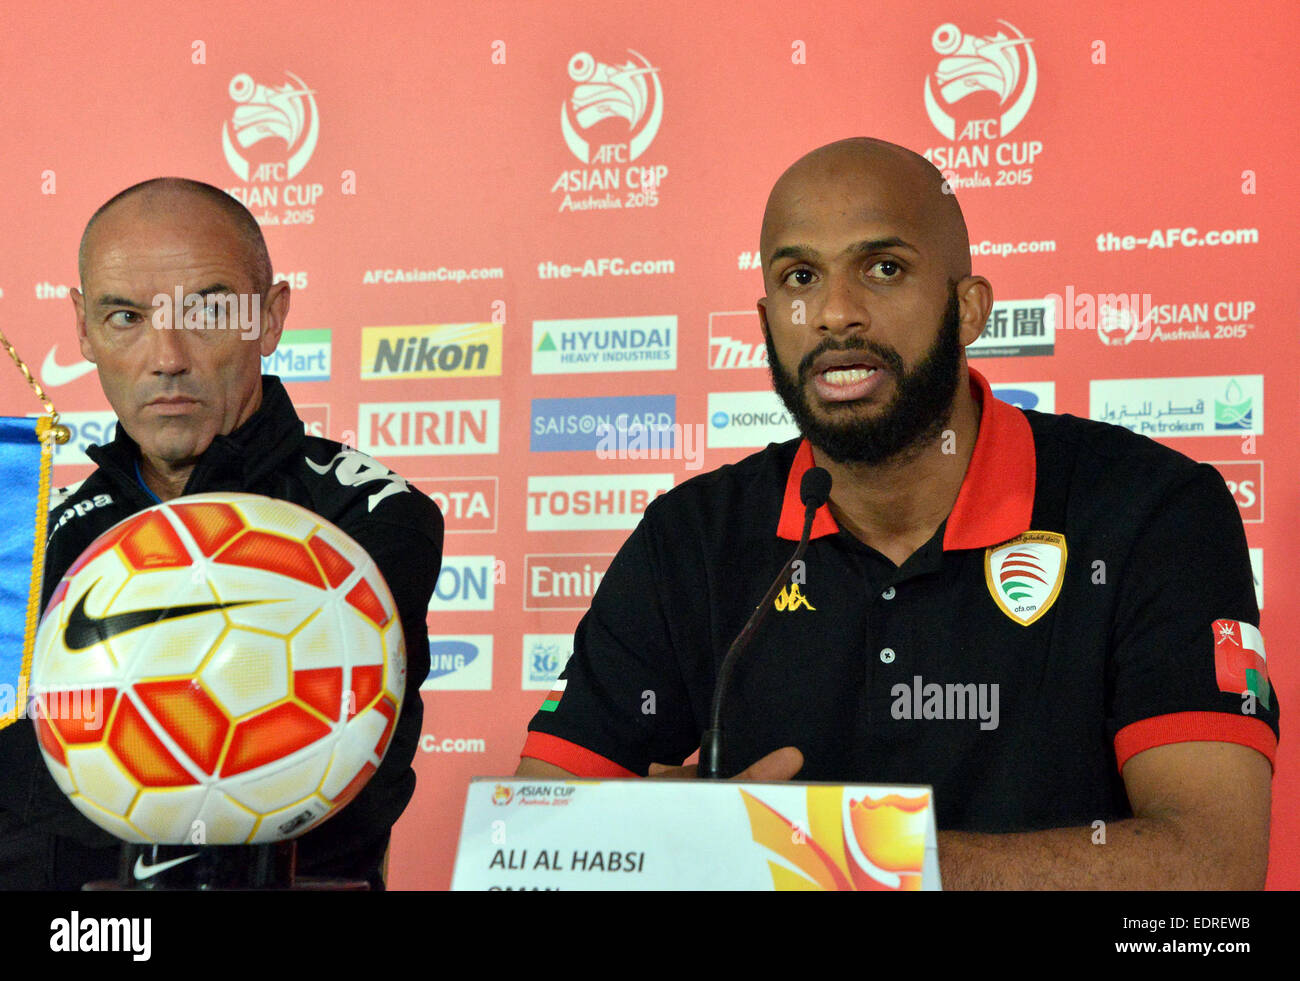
[(49, 431), (54, 430)]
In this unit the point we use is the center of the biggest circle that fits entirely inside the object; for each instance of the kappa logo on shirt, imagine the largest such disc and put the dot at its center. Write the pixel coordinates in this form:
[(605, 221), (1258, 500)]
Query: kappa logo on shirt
[(356, 468), (1024, 575), (790, 599)]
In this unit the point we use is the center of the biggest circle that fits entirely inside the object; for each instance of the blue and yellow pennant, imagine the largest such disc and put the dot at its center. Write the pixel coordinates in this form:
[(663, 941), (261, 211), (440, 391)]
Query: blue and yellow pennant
[(25, 459)]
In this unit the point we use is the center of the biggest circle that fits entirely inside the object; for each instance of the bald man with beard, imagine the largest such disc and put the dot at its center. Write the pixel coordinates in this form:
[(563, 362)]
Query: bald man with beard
[(1119, 713)]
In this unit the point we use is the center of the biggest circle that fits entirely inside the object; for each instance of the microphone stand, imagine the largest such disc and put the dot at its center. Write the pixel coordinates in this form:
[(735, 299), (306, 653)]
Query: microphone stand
[(814, 493)]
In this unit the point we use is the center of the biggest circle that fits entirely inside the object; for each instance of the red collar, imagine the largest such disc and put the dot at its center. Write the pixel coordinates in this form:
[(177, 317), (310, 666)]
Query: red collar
[(996, 499)]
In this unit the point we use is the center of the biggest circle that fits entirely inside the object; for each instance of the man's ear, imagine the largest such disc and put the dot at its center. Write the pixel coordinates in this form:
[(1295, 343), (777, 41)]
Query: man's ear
[(274, 311), (975, 298), (83, 339), (762, 315)]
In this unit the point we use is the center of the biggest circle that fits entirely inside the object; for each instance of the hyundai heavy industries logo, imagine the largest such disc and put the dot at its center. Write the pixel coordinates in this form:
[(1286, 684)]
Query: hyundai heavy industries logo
[(604, 344), (589, 423)]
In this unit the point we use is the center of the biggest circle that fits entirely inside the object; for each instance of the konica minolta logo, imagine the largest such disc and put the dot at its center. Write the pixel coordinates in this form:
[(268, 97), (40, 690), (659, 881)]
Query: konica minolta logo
[(739, 419)]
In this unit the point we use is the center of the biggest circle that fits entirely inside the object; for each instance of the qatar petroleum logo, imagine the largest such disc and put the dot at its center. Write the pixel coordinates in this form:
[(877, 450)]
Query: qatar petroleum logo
[(601, 91), (996, 72), (1024, 575), (1234, 412), (287, 112)]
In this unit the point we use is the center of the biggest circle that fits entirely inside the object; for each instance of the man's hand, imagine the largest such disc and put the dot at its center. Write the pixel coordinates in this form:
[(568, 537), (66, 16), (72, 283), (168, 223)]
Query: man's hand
[(782, 764)]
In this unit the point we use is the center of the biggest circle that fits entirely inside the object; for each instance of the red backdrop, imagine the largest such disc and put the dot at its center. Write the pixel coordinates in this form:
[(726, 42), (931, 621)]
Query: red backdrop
[(418, 169)]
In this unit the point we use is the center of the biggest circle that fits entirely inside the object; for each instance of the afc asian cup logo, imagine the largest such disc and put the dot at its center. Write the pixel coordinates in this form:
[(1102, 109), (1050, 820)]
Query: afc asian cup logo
[(285, 111), (1120, 325), (997, 72), (601, 91)]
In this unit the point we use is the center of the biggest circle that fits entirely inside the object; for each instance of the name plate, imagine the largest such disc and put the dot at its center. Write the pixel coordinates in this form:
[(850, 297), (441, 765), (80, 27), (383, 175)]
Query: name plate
[(695, 834)]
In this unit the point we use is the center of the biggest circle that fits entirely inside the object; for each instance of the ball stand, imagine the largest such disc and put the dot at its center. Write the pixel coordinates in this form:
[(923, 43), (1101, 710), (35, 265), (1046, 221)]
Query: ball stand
[(216, 867)]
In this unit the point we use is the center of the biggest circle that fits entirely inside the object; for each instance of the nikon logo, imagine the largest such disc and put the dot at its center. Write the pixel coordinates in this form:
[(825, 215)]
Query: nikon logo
[(431, 350)]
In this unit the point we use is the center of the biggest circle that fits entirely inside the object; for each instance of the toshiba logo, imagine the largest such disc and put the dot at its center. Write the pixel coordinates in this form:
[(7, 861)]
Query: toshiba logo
[(563, 582), (585, 501), (429, 428)]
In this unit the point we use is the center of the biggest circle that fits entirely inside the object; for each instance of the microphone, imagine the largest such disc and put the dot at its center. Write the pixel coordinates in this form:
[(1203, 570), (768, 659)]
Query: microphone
[(814, 491)]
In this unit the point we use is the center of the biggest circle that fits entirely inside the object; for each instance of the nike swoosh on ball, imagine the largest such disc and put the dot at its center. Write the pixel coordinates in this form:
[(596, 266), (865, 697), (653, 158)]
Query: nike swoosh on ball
[(85, 631)]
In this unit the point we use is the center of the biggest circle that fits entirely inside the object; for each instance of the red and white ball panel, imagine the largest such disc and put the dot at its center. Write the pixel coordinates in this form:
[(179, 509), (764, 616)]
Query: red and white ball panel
[(224, 667)]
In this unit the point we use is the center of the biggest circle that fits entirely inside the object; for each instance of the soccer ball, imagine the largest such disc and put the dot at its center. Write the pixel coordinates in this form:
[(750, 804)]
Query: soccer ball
[(220, 669)]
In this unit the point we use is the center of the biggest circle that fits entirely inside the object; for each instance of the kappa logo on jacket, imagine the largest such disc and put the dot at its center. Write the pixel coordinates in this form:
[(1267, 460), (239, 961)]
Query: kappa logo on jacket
[(77, 510), (356, 468)]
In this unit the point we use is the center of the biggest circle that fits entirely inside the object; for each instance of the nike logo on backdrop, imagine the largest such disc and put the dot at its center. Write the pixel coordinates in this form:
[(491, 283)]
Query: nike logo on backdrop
[(143, 871), (85, 631), (55, 374)]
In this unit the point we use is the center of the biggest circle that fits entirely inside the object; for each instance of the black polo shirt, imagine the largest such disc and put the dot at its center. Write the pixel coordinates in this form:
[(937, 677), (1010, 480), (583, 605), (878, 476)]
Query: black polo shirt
[(1083, 601)]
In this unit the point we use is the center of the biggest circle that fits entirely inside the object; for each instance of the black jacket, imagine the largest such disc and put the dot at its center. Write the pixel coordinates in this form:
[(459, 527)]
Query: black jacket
[(271, 455)]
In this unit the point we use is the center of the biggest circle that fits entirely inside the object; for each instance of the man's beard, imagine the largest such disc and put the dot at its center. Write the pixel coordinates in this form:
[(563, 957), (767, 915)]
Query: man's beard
[(917, 414)]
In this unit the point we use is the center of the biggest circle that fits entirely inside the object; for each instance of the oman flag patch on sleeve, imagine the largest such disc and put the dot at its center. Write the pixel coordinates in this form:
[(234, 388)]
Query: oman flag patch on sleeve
[(1239, 662)]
